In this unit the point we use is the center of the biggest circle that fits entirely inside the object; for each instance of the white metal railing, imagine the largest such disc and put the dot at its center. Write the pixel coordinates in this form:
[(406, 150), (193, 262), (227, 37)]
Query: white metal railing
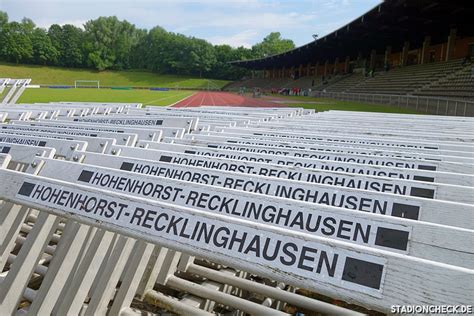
[(422, 104)]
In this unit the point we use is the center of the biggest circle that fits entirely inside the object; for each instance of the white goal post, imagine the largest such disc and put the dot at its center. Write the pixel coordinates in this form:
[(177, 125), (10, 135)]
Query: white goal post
[(87, 84)]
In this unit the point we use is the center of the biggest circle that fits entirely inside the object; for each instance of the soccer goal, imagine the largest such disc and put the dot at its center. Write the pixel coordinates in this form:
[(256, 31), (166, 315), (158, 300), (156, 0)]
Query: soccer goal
[(212, 86), (87, 84)]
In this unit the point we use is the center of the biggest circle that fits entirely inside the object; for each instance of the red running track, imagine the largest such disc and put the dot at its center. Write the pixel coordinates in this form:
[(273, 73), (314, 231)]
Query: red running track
[(223, 99)]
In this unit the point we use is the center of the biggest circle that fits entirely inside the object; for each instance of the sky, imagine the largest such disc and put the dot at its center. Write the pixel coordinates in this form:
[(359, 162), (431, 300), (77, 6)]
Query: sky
[(233, 22)]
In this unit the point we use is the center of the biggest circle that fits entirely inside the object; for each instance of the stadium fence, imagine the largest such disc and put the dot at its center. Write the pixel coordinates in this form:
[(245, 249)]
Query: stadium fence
[(428, 105)]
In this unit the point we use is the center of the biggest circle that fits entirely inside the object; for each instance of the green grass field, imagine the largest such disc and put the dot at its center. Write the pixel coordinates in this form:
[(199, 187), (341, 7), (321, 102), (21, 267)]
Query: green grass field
[(66, 76), (325, 104), (4, 93), (147, 97)]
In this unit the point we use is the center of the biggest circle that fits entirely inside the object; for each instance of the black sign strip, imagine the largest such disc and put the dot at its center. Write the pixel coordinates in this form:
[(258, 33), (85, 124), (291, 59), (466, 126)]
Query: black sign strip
[(26, 188), (406, 211), (422, 192), (166, 158), (127, 166), (363, 272), (85, 176), (392, 238), (424, 179), (424, 167)]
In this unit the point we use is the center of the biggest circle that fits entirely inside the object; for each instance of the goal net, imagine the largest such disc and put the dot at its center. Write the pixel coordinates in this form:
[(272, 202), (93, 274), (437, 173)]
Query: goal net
[(87, 84)]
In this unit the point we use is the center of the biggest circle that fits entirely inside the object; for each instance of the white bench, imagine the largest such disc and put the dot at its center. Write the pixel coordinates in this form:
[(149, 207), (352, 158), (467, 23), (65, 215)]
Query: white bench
[(125, 222), (400, 169), (304, 143), (333, 268), (200, 170), (353, 139)]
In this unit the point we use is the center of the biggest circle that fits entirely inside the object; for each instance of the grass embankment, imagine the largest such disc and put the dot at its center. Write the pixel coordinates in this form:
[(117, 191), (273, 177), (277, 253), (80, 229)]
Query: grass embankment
[(147, 97), (45, 75)]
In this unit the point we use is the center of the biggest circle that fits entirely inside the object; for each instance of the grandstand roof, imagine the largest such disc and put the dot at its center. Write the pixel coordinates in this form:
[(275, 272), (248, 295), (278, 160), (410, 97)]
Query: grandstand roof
[(392, 22)]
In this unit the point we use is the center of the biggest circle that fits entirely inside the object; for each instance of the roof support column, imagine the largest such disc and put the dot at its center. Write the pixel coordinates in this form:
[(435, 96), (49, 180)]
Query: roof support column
[(316, 69), (388, 51), (335, 70), (308, 69), (404, 56), (326, 67), (359, 60), (451, 43), (346, 64), (300, 70), (283, 72), (373, 55), (424, 50)]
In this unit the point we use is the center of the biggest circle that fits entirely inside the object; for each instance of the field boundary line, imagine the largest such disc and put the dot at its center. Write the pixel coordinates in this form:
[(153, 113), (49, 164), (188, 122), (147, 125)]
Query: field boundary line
[(170, 96), (189, 96)]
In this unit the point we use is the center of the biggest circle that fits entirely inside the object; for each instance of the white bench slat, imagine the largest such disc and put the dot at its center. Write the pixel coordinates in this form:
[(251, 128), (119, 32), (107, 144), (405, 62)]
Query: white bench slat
[(200, 169), (301, 143), (185, 123), (292, 150), (143, 133), (94, 144), (125, 139), (369, 229), (64, 147), (435, 211), (395, 169), (356, 139)]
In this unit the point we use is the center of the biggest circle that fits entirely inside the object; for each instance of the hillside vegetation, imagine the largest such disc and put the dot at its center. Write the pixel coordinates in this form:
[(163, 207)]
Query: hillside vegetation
[(47, 75), (107, 43)]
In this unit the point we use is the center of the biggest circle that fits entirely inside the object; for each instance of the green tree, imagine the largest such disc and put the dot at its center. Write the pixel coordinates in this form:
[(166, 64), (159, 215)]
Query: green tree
[(225, 54), (202, 56), (28, 25), (43, 50), (162, 50), (16, 43), (138, 52), (3, 19), (272, 44), (109, 42), (55, 34), (3, 25), (72, 46)]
